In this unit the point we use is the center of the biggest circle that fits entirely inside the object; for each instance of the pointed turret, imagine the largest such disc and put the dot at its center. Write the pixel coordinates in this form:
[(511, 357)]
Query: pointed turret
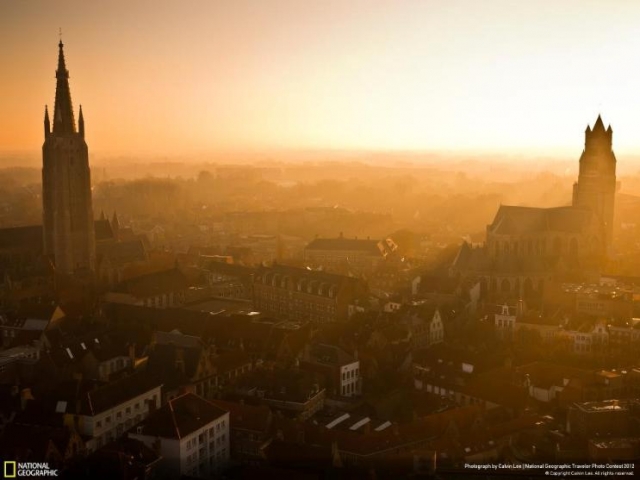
[(599, 125), (47, 124), (81, 123), (64, 121)]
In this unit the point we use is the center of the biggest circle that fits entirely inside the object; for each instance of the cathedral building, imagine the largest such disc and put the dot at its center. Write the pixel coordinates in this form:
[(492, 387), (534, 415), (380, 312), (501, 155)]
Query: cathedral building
[(527, 246), (68, 224)]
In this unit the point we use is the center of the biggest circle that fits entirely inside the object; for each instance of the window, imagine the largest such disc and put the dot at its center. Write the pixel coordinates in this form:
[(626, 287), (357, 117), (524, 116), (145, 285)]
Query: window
[(128, 410), (99, 424)]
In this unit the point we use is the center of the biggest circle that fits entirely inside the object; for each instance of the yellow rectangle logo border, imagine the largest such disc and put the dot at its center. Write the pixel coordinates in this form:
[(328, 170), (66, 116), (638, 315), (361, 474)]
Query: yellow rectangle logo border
[(6, 470)]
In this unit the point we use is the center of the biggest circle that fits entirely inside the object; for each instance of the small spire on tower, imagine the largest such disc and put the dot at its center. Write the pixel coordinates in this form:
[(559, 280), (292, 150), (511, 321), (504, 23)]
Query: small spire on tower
[(599, 125), (47, 124), (81, 123)]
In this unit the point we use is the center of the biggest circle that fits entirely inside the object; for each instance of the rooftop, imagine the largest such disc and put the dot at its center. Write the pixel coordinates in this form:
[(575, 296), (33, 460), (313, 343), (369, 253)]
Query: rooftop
[(181, 417), (607, 406)]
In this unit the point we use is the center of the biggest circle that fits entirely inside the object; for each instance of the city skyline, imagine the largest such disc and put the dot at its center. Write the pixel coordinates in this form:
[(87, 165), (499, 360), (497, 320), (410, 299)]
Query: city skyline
[(266, 76), (349, 284)]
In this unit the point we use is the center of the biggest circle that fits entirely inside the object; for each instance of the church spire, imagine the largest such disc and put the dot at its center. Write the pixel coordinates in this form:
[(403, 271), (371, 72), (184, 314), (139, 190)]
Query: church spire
[(63, 119)]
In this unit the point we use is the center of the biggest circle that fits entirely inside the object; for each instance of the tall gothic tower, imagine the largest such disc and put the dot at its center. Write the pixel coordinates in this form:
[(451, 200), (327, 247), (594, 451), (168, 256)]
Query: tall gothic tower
[(69, 236), (596, 185)]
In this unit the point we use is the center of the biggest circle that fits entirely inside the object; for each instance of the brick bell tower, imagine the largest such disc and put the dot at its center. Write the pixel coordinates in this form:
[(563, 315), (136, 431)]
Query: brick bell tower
[(596, 185), (69, 238)]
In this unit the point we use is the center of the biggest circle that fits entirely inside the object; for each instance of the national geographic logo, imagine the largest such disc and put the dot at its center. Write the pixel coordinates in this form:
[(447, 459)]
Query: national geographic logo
[(10, 469), (28, 469)]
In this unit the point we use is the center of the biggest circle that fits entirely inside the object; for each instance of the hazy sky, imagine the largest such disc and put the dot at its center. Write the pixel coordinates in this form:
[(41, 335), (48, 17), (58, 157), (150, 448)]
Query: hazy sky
[(196, 76)]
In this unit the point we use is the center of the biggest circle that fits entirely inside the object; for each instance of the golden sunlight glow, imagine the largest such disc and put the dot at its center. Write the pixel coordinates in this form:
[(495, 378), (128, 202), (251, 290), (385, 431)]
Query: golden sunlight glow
[(165, 76)]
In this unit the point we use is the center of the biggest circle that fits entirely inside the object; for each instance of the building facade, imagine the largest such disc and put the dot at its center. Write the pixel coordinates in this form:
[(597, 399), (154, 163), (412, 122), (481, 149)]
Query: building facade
[(299, 294)]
